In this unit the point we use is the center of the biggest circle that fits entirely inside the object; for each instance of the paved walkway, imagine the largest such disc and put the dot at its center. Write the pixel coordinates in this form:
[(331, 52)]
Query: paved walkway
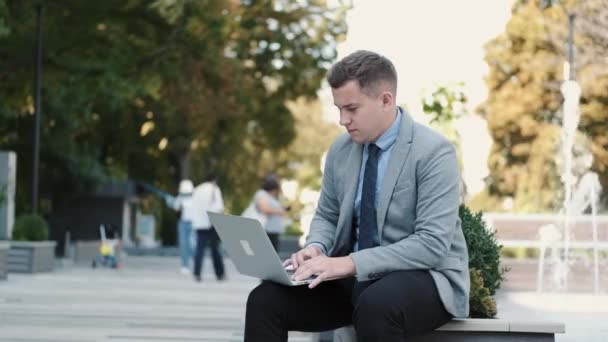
[(147, 300), (585, 315)]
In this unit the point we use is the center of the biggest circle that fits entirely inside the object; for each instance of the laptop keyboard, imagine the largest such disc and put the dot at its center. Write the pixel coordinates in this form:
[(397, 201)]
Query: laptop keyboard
[(290, 272)]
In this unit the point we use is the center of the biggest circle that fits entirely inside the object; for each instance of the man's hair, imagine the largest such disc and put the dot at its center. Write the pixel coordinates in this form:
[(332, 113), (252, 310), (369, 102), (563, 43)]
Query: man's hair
[(210, 176), (368, 68), (270, 183)]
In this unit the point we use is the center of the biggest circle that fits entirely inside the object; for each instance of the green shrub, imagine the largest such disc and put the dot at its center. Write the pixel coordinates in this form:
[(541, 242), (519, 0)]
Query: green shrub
[(293, 229), (2, 194), (484, 251), (30, 228), (481, 303)]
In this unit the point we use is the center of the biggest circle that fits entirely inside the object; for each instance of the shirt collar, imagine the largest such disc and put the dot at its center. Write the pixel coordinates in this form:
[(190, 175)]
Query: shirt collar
[(388, 138)]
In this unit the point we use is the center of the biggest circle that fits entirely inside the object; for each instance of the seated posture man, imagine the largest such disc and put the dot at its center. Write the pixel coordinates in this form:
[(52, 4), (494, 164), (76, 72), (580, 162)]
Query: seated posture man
[(386, 241)]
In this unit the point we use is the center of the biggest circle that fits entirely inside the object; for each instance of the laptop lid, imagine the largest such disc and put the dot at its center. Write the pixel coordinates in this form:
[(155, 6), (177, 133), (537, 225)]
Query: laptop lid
[(249, 247)]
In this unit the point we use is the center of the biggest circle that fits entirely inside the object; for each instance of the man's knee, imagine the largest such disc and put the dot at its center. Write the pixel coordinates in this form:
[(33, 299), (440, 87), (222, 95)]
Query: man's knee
[(375, 313)]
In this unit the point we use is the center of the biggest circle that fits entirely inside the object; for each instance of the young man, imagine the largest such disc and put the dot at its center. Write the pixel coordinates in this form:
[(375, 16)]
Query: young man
[(386, 241)]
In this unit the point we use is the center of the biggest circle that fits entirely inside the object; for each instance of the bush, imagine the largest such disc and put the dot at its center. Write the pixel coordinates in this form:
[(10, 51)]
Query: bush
[(293, 230), (30, 228), (484, 251), (2, 195), (482, 305)]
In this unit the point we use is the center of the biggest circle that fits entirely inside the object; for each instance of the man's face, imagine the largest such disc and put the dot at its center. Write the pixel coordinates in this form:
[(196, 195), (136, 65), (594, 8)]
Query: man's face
[(364, 116)]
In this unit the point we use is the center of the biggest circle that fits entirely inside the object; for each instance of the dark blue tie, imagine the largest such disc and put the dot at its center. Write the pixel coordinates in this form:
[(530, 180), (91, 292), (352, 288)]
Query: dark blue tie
[(368, 227)]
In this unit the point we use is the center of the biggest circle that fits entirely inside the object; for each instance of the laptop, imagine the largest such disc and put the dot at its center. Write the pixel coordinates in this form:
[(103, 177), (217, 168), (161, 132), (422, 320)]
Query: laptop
[(251, 250)]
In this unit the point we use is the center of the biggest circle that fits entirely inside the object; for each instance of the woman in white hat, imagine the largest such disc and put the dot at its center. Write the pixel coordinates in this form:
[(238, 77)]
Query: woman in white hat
[(184, 203)]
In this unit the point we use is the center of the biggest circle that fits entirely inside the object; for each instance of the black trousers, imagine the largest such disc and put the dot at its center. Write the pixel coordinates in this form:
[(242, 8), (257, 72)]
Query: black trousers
[(204, 237), (402, 304)]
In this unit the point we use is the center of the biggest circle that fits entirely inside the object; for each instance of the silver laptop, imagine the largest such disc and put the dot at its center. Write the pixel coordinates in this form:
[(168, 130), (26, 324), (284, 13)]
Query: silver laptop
[(251, 250)]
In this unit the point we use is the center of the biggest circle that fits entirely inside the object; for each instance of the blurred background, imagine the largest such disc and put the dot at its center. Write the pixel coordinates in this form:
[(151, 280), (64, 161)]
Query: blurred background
[(125, 92), (105, 105)]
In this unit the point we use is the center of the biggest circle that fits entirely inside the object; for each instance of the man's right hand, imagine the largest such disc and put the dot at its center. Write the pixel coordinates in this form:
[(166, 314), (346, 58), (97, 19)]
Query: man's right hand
[(304, 254)]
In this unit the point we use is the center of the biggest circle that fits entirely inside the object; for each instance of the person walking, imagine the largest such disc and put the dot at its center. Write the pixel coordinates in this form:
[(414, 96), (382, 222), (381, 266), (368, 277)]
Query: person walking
[(207, 197), (183, 203)]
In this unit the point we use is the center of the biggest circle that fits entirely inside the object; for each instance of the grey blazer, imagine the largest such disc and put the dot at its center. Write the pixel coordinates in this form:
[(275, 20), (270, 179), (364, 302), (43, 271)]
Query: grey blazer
[(418, 223)]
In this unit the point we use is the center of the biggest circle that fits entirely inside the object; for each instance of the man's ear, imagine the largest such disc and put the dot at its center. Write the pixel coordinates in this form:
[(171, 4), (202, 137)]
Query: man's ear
[(387, 98)]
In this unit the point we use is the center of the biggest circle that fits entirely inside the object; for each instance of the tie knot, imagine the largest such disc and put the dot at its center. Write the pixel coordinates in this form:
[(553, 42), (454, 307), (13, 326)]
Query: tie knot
[(373, 150)]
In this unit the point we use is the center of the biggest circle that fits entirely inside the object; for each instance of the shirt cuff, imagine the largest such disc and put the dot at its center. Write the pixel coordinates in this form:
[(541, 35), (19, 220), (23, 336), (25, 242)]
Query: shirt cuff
[(320, 245)]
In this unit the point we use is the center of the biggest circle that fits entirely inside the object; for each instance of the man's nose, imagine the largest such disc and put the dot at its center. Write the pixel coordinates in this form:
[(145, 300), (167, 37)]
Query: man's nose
[(344, 119)]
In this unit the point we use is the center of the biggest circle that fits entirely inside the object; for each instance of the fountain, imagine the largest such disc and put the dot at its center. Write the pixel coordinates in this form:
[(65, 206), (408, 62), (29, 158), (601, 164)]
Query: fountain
[(581, 191)]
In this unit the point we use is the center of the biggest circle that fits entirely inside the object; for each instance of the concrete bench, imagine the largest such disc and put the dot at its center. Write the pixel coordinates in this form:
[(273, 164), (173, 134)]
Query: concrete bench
[(475, 330)]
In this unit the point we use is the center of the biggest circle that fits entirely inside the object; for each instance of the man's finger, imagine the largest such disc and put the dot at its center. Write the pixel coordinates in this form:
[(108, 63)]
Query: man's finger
[(294, 260), (318, 280), (287, 262), (303, 272), (301, 257)]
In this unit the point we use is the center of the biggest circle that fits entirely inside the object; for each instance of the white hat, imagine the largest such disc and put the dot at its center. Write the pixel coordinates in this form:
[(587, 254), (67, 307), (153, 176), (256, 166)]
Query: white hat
[(186, 186)]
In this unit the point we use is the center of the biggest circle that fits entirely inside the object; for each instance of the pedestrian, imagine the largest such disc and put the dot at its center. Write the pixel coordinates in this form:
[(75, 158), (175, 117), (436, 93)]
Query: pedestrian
[(207, 197)]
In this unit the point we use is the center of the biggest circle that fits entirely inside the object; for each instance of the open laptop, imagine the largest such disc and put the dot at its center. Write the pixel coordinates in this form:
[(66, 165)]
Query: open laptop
[(251, 250)]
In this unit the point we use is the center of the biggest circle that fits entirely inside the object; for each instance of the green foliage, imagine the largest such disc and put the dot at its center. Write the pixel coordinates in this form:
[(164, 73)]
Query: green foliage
[(2, 194), (160, 90), (523, 108), (4, 31), (484, 251), (481, 303), (445, 105), (293, 229), (30, 228)]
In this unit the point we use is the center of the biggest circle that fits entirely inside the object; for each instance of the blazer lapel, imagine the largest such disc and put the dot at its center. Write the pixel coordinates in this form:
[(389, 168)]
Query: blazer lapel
[(353, 165), (395, 165)]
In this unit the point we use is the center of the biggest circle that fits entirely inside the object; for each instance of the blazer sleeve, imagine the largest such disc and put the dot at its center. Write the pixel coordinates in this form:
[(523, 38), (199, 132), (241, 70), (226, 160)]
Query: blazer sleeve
[(325, 221)]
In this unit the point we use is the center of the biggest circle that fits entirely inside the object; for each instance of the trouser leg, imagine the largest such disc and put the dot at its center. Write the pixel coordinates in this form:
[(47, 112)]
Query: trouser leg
[(401, 305), (216, 254), (199, 252), (273, 309), (184, 231)]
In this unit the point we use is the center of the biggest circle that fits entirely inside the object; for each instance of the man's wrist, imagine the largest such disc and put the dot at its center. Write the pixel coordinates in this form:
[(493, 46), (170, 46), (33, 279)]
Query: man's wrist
[(353, 267), (319, 245)]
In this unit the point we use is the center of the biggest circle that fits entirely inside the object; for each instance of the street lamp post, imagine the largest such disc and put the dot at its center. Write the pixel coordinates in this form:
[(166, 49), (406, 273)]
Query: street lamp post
[(36, 130)]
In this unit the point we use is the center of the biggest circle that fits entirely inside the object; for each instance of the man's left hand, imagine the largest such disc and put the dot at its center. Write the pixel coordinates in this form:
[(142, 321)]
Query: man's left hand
[(326, 268)]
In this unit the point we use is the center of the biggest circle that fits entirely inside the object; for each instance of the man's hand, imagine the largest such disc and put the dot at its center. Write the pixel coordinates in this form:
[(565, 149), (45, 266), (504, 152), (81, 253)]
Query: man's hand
[(304, 254), (325, 268)]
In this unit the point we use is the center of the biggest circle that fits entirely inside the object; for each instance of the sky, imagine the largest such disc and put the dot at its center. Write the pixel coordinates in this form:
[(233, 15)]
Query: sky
[(432, 42)]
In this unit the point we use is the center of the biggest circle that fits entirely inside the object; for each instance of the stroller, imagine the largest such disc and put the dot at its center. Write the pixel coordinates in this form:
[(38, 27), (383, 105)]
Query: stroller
[(109, 249)]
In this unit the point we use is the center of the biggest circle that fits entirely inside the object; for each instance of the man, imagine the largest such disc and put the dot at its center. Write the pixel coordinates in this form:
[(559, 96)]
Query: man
[(386, 241), (207, 197)]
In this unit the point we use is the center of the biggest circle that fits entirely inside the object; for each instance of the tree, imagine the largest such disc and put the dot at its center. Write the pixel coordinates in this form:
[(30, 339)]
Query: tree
[(3, 18), (160, 90), (446, 104), (523, 108)]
